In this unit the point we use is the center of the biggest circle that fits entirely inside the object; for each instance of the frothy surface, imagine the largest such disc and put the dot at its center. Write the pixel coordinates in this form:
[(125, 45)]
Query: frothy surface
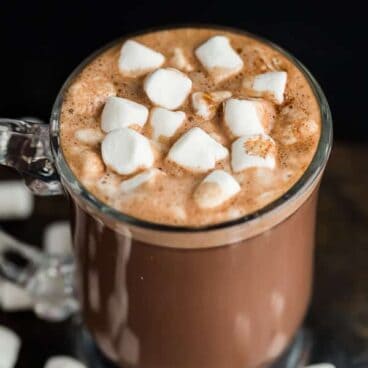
[(295, 127)]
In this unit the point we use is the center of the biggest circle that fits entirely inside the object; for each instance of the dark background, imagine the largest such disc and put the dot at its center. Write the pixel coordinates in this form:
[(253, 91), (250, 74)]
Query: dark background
[(41, 42)]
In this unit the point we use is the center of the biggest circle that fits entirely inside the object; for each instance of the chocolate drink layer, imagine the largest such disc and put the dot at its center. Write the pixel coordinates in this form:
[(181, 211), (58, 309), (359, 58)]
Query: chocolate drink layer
[(235, 306), (295, 126)]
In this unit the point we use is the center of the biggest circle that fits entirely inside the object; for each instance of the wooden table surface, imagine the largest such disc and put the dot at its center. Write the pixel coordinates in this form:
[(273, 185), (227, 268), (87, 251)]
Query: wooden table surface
[(338, 317)]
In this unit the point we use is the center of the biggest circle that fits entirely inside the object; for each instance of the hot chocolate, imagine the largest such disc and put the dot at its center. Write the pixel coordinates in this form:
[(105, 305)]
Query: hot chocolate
[(193, 127), (145, 125)]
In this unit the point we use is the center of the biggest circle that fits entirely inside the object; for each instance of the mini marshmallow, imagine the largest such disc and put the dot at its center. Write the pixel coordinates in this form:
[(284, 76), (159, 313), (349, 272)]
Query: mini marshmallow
[(272, 82), (63, 362), (205, 104), (126, 151), (253, 151), (178, 212), (308, 128), (165, 123), (247, 117), (89, 136), (9, 347), (13, 298), (219, 58), (167, 87), (109, 185), (122, 113), (179, 61), (321, 365), (90, 164), (16, 200), (215, 189), (57, 239), (197, 151), (133, 183), (88, 96), (136, 59), (297, 131)]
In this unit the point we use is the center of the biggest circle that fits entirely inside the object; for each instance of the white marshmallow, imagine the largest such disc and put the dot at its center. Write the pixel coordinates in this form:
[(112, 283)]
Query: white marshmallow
[(253, 151), (63, 362), (9, 348), (308, 127), (90, 164), (13, 298), (321, 365), (215, 189), (179, 61), (89, 136), (88, 96), (298, 130), (16, 200), (133, 183), (165, 122), (219, 58), (197, 151), (243, 117), (167, 87), (205, 104), (122, 113), (109, 185), (57, 239), (126, 151), (272, 82), (136, 59), (178, 212)]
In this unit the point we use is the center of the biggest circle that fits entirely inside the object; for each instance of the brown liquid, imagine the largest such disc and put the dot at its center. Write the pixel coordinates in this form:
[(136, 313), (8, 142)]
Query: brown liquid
[(169, 199), (235, 306)]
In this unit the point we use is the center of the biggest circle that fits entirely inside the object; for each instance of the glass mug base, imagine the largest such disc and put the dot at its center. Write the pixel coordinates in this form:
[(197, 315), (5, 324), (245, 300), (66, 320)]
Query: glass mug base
[(295, 356)]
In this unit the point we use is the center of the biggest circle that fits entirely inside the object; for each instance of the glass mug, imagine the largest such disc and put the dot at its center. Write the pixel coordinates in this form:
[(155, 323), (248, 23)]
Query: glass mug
[(230, 295)]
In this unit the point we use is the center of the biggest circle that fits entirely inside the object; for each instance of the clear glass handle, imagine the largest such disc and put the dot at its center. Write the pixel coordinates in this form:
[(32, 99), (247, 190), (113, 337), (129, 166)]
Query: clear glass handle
[(25, 146)]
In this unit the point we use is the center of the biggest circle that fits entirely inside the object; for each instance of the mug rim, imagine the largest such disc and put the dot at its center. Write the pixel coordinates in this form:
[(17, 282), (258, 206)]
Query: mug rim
[(310, 175)]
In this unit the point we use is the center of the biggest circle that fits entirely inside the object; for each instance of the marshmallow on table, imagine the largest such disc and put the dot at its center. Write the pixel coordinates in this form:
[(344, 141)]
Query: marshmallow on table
[(16, 200), (215, 189), (205, 104), (136, 59), (9, 347), (273, 83), (179, 61), (122, 113), (57, 239), (165, 122), (13, 298), (167, 87), (253, 151), (89, 136), (125, 151), (197, 151), (219, 58), (136, 181), (246, 117), (63, 362)]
